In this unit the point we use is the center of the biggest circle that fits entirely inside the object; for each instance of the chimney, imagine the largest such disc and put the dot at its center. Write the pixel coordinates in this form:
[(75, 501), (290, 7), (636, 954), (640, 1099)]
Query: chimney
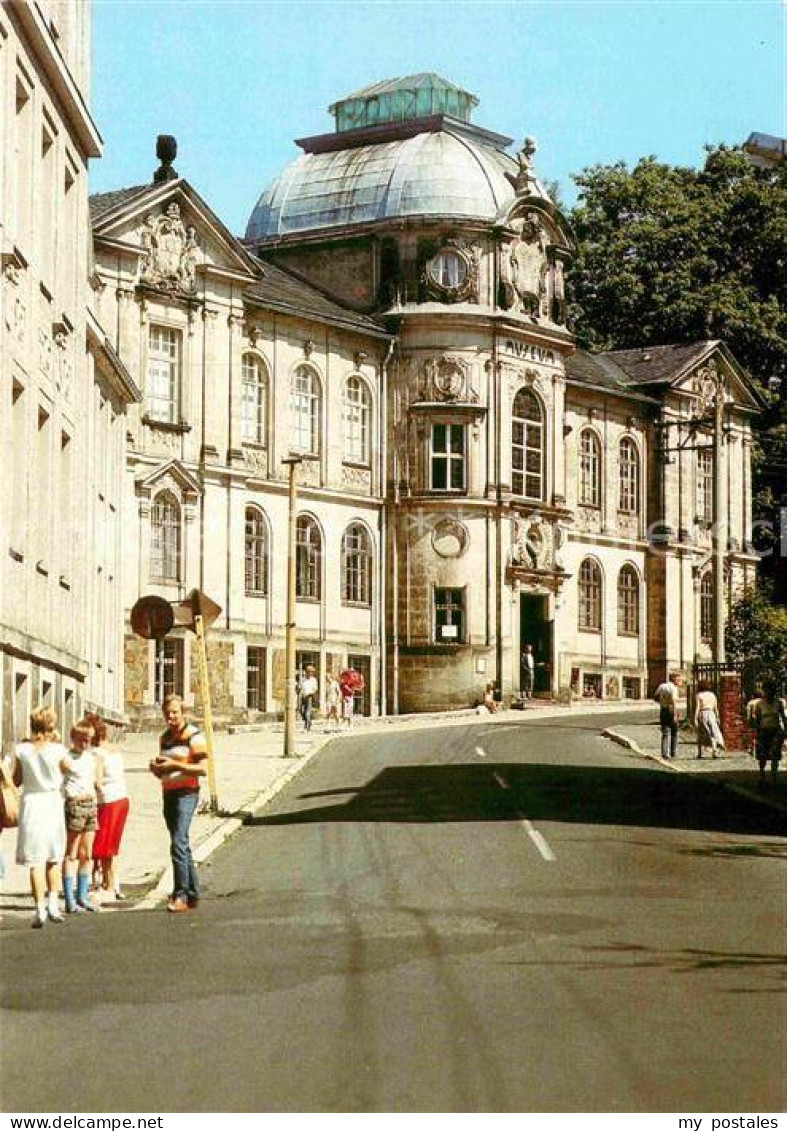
[(166, 151)]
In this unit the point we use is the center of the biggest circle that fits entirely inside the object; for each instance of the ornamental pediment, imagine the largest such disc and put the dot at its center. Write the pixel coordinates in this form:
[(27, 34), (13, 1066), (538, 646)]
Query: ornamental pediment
[(537, 545), (446, 379), (170, 476)]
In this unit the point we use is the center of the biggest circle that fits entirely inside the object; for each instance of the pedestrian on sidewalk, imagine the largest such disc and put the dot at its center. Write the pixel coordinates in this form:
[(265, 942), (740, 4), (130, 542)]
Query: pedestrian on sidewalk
[(38, 767), (350, 682), (113, 807), (309, 690), (333, 698), (180, 766), (667, 698), (770, 720), (706, 720), (81, 809)]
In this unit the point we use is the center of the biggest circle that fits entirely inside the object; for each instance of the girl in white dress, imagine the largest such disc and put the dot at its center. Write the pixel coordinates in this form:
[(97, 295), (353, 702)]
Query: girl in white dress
[(41, 842), (706, 720)]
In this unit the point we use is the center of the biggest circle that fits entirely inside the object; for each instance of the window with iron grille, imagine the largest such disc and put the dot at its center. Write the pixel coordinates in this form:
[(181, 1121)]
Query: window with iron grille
[(449, 614), (356, 417), (169, 668), (356, 565), (163, 374), (527, 446), (589, 469), (308, 559), (254, 395), (705, 485), (165, 531), (449, 447), (628, 476), (628, 601), (305, 407), (706, 606), (590, 595), (256, 553), (255, 678)]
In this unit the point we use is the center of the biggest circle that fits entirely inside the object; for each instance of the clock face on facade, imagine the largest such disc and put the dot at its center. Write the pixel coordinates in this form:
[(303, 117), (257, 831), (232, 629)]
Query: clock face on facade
[(448, 269)]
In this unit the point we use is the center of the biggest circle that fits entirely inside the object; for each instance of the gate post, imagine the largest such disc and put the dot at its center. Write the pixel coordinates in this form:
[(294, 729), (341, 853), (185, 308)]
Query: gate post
[(733, 725)]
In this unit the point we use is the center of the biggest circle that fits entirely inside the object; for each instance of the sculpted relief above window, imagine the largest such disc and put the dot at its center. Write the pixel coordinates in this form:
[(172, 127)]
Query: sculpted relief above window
[(170, 252)]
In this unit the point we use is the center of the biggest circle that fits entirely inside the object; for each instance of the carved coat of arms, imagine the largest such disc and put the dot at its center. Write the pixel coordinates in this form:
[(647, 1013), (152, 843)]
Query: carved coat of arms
[(170, 251)]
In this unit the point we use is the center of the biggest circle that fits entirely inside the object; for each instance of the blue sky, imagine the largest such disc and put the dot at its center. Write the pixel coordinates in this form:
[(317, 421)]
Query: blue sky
[(594, 82)]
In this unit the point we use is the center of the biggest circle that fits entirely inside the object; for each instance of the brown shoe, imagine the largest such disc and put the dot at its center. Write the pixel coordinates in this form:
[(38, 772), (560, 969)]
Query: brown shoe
[(177, 905), (193, 902)]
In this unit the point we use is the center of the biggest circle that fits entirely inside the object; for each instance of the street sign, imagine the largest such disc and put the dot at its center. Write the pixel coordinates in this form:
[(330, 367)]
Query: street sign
[(152, 618), (197, 604)]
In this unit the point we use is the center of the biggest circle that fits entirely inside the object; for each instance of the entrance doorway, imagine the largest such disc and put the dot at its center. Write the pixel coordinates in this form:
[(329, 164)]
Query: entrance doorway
[(536, 629)]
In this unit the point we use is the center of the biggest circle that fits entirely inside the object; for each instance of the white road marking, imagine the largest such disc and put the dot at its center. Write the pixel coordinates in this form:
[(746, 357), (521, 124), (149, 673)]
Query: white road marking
[(480, 751), (537, 838)]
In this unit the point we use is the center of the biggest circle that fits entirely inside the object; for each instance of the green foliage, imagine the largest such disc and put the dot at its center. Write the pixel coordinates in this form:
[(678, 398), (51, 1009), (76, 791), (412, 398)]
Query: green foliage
[(756, 628)]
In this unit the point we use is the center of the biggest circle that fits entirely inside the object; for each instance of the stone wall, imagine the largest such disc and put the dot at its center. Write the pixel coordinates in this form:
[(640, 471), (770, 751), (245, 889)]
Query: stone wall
[(135, 658)]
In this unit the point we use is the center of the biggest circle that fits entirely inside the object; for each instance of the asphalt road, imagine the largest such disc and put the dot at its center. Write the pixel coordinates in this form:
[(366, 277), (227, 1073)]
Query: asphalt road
[(495, 918)]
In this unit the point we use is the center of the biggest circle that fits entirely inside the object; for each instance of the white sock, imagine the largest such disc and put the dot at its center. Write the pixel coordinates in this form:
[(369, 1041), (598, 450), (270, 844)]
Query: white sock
[(51, 901), (41, 910)]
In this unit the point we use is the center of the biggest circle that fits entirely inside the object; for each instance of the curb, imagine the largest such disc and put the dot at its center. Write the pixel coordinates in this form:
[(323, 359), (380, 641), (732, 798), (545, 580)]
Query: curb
[(630, 744), (229, 825)]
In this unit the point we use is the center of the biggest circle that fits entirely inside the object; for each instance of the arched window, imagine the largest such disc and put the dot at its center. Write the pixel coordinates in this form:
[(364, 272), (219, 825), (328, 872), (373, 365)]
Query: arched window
[(356, 418), (628, 477), (308, 559), (305, 406), (628, 601), (706, 606), (356, 565), (590, 595), (589, 469), (254, 398), (527, 446), (256, 553), (165, 538)]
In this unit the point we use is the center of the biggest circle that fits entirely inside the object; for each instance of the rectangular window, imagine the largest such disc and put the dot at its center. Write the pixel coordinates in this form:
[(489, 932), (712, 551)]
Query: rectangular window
[(449, 455), (255, 679), (705, 485), (449, 613), (22, 167), (631, 687), (169, 669), (18, 487), (163, 374)]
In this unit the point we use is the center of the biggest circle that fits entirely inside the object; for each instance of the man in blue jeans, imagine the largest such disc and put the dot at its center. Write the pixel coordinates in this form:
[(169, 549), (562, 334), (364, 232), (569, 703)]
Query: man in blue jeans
[(179, 767), (667, 698)]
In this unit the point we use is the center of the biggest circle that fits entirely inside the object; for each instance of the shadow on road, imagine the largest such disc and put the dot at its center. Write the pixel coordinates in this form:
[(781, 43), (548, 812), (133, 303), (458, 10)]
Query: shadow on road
[(573, 794)]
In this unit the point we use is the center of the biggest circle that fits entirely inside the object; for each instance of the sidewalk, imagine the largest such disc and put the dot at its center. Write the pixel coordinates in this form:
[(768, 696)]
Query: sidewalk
[(738, 769), (249, 772)]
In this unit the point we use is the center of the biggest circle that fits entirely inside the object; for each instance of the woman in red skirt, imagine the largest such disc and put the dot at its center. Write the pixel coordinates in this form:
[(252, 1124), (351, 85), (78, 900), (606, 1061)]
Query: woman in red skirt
[(112, 809)]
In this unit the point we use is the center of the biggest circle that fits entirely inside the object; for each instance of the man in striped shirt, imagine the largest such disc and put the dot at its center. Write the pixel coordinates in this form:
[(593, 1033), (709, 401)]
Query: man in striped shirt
[(180, 764)]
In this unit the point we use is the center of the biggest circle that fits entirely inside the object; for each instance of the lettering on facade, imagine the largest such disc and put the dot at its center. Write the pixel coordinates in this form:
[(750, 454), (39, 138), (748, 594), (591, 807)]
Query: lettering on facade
[(530, 352)]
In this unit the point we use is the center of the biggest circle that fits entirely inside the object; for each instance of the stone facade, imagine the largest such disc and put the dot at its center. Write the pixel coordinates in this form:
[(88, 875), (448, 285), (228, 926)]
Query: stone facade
[(64, 393)]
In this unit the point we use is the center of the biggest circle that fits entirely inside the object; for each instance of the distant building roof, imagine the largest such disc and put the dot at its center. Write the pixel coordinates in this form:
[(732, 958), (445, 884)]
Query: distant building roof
[(765, 149), (102, 202), (279, 290)]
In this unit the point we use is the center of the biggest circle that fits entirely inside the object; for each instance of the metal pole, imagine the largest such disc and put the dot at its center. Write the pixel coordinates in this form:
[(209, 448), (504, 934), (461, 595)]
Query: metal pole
[(719, 525), (293, 463), (202, 669)]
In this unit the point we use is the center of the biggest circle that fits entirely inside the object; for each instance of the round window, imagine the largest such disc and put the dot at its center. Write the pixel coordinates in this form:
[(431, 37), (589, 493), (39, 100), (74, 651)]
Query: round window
[(448, 269)]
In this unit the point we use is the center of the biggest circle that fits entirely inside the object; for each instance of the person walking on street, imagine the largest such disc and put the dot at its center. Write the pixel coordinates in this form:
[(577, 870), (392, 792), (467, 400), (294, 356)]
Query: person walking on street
[(309, 691), (667, 698), (180, 766), (350, 683), (706, 720), (770, 720), (38, 767), (113, 807), (528, 669), (333, 699), (79, 787)]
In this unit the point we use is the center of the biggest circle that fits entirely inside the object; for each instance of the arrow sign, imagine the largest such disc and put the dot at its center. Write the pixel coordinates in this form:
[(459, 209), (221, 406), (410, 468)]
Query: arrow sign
[(197, 604)]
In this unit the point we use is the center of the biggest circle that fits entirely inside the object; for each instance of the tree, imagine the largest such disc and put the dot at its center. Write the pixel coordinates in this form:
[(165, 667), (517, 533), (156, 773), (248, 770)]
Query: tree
[(756, 630), (669, 255)]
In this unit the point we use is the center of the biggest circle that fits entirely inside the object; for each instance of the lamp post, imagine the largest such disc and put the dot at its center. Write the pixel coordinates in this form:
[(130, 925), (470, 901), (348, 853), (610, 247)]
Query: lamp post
[(293, 462)]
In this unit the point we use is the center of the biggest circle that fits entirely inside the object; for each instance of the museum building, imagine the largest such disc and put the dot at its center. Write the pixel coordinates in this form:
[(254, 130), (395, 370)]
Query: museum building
[(396, 312)]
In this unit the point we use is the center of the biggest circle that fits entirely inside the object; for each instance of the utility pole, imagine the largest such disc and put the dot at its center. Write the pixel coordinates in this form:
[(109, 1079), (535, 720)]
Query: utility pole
[(719, 522)]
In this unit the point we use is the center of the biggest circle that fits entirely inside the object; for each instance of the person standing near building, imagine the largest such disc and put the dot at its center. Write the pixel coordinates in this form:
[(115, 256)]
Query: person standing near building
[(770, 721), (79, 787), (667, 698), (38, 767), (528, 671), (180, 766), (112, 808), (706, 720), (333, 698), (309, 691)]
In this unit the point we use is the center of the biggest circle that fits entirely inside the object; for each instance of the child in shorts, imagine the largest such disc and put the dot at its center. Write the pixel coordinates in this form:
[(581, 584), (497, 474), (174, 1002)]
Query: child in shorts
[(79, 788)]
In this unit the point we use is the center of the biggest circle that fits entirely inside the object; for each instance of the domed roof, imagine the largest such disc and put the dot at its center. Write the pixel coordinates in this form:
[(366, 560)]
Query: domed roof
[(443, 172)]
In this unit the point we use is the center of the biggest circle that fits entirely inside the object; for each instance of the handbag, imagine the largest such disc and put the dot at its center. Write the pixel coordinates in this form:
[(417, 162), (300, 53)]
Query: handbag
[(9, 801)]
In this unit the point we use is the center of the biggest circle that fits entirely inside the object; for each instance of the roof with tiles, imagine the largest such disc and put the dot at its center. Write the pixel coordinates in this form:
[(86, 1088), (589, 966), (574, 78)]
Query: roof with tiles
[(279, 290), (102, 202), (655, 365)]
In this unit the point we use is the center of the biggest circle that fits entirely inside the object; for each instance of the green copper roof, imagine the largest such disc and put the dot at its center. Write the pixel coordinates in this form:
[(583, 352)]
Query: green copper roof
[(399, 100)]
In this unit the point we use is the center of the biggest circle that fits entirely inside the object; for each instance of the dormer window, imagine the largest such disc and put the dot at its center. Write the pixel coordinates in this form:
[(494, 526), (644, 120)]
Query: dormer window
[(447, 270)]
